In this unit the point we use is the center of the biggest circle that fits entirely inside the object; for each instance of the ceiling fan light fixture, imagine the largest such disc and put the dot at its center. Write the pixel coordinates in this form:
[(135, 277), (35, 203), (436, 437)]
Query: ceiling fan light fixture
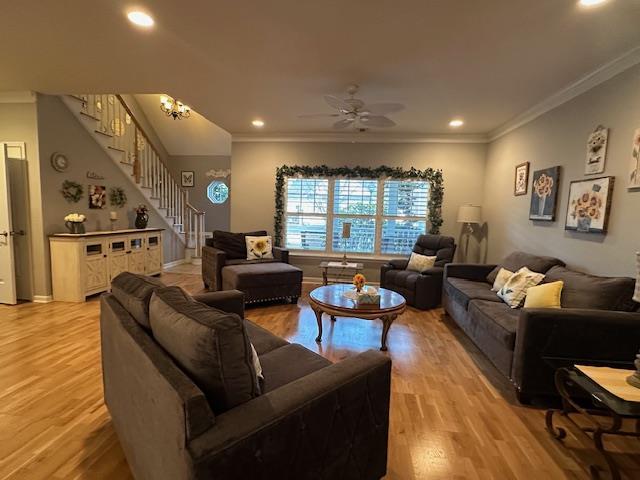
[(456, 123)]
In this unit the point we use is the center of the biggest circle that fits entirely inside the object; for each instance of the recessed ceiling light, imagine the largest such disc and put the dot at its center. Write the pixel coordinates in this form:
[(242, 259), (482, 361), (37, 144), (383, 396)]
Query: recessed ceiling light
[(591, 3), (258, 123), (456, 122), (141, 19)]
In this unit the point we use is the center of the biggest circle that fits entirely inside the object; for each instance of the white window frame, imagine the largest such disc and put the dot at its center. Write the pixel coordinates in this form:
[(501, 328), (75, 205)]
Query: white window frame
[(330, 215)]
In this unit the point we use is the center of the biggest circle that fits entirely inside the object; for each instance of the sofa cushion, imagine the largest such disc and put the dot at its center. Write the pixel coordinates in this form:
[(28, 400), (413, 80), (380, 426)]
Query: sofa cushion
[(286, 364), (233, 244), (402, 278), (263, 340), (461, 291), (496, 319), (582, 290), (260, 275), (244, 261), (134, 291), (211, 346), (516, 260)]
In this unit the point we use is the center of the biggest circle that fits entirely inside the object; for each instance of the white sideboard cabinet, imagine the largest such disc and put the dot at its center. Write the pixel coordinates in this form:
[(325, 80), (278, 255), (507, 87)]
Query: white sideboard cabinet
[(84, 264)]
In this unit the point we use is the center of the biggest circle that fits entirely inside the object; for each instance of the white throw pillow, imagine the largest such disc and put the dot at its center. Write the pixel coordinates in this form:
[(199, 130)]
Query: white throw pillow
[(420, 263), (514, 291), (501, 279), (259, 247)]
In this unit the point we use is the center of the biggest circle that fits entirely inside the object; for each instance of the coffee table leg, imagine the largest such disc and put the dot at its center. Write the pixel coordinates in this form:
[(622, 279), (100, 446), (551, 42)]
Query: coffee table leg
[(319, 320), (387, 320)]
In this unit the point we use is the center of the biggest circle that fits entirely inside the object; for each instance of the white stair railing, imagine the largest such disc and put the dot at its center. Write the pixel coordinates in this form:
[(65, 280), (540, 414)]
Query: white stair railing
[(118, 126)]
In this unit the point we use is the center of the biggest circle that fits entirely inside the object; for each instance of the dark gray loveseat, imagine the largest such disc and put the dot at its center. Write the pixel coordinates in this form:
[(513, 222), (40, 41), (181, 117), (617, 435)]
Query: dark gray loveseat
[(312, 420), (598, 323)]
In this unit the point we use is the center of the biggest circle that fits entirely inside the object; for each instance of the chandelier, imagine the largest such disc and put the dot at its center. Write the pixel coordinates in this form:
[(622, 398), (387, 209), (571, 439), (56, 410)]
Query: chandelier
[(174, 108)]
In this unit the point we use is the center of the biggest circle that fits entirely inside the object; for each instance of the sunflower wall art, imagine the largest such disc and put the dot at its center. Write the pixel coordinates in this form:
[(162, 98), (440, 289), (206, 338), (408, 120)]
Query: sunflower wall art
[(544, 194), (589, 205)]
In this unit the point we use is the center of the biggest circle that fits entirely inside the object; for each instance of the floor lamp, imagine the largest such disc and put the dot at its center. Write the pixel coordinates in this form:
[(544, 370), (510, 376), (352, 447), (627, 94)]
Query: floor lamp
[(469, 214)]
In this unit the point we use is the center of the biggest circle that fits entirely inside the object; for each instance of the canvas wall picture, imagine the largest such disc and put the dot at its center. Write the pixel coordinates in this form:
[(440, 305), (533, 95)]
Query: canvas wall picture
[(97, 196), (188, 178), (596, 151), (521, 182), (589, 205), (634, 170), (544, 194)]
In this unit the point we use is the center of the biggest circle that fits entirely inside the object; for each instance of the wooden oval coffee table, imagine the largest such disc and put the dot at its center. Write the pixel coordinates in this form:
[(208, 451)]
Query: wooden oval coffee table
[(330, 299)]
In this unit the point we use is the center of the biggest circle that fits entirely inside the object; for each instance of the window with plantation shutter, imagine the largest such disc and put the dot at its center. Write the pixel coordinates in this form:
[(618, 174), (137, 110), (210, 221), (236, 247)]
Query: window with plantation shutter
[(386, 215)]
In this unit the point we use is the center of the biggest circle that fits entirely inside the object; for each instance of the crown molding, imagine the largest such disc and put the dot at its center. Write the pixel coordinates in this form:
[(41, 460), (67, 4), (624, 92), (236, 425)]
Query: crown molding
[(584, 84), (18, 97), (357, 138)]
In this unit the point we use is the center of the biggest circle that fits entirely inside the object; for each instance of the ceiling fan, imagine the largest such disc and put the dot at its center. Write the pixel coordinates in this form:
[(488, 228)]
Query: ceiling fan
[(355, 113)]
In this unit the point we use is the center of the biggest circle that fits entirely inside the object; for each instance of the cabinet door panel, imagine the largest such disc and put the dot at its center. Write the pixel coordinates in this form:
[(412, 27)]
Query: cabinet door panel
[(153, 261), (117, 265), (97, 277), (136, 262)]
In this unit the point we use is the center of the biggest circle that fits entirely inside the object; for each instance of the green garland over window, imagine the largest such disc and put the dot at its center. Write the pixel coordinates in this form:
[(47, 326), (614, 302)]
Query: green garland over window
[(434, 177)]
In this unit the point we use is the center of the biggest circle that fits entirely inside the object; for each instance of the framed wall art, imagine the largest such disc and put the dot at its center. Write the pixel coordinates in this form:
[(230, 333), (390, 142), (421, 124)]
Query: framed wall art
[(634, 170), (521, 182), (187, 178), (596, 150), (589, 205), (97, 196), (544, 194)]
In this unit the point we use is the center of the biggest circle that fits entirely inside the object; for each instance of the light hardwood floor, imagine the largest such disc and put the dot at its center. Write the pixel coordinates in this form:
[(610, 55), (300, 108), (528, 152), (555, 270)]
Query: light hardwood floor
[(452, 415)]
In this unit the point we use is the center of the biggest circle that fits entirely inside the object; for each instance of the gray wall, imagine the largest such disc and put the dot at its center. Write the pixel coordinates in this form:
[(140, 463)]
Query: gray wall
[(60, 131), (18, 123), (217, 217), (254, 165), (559, 138)]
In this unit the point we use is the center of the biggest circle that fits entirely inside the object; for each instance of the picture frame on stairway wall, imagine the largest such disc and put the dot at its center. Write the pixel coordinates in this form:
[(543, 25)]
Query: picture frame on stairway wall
[(187, 178), (97, 196)]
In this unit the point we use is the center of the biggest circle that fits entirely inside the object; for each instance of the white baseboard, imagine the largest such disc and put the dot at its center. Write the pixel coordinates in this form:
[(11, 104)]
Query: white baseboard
[(42, 298), (175, 263)]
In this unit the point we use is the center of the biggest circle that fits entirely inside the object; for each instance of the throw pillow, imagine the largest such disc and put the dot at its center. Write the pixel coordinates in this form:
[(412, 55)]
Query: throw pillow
[(501, 279), (546, 295), (515, 290), (259, 247), (209, 345), (420, 263)]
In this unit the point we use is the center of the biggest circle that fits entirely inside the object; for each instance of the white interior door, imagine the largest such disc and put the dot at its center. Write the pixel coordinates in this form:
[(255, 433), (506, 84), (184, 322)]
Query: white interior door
[(7, 267)]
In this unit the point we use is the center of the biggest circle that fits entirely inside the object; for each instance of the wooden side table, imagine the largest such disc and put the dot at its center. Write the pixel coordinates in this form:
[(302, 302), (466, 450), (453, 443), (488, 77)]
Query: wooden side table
[(350, 268), (605, 418)]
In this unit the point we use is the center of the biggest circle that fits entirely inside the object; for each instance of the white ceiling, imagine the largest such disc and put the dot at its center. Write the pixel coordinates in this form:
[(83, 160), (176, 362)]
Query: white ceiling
[(486, 61), (193, 136)]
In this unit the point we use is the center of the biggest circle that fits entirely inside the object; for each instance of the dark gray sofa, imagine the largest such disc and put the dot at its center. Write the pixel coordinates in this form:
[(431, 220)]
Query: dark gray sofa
[(598, 323), (421, 290), (312, 420)]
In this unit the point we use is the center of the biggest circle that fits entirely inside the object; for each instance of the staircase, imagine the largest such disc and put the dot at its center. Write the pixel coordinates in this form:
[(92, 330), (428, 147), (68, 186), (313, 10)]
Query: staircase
[(111, 122)]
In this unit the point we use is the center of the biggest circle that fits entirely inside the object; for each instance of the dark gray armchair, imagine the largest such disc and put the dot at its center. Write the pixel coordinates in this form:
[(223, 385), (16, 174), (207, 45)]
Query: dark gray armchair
[(421, 290)]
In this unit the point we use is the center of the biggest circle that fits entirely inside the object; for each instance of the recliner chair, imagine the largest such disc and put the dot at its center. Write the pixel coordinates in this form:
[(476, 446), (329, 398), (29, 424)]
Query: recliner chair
[(421, 290)]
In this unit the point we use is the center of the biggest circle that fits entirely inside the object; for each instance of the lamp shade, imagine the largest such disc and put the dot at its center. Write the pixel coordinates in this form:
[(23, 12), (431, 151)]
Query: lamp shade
[(469, 214), (636, 297), (346, 230)]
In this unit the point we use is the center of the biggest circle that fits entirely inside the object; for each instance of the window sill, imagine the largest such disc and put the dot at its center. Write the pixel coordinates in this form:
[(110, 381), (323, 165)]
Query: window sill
[(350, 257)]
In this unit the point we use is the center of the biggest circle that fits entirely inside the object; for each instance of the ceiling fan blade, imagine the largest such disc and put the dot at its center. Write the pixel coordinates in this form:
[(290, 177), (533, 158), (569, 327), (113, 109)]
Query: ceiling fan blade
[(340, 124), (382, 108), (377, 121), (319, 115), (337, 103)]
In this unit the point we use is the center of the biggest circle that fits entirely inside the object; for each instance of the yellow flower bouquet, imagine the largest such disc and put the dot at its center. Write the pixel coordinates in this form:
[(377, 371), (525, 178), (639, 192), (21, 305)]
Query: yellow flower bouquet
[(359, 281)]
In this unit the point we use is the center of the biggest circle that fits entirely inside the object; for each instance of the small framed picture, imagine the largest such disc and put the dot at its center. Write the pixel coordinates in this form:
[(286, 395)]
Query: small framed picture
[(596, 151), (97, 196), (187, 177), (521, 182), (589, 205), (544, 194)]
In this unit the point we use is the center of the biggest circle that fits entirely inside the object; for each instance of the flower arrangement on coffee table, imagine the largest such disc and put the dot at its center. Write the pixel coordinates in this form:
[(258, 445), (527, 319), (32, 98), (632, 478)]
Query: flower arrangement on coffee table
[(359, 281)]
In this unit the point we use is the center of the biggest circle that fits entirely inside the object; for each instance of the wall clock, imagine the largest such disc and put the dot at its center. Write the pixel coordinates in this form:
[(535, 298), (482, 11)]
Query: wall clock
[(59, 162)]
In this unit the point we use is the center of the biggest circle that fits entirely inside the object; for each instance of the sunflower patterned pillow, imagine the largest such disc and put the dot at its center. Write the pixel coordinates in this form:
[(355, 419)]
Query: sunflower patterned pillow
[(259, 247), (514, 291)]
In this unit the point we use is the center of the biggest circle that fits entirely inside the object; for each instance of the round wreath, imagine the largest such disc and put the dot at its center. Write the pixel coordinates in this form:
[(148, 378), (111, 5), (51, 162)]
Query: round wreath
[(72, 191), (117, 197), (433, 176)]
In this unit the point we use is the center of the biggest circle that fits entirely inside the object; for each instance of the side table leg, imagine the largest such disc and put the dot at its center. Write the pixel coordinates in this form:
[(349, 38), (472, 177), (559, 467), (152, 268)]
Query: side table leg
[(613, 468), (319, 320), (387, 320), (558, 432)]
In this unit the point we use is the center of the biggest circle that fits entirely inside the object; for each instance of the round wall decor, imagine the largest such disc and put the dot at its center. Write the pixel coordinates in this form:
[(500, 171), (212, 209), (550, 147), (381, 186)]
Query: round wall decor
[(59, 162)]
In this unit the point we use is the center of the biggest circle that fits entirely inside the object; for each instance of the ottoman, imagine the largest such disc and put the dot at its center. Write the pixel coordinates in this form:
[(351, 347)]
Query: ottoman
[(264, 281)]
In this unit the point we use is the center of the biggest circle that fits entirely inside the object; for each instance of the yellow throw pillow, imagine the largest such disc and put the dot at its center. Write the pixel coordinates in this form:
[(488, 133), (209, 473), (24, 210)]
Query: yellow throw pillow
[(546, 295), (501, 279)]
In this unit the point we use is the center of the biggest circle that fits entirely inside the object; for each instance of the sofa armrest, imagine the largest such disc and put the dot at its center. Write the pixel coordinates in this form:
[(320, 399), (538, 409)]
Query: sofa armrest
[(434, 272), (231, 301), (393, 264), (470, 271), (547, 338), (213, 259), (343, 407), (281, 254)]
